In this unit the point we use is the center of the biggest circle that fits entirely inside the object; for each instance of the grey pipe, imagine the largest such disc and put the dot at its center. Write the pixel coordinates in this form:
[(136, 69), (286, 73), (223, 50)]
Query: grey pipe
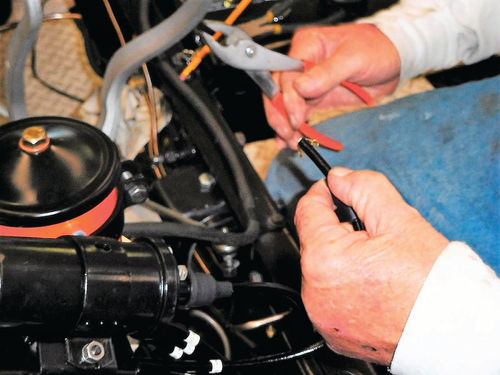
[(22, 42), (146, 46)]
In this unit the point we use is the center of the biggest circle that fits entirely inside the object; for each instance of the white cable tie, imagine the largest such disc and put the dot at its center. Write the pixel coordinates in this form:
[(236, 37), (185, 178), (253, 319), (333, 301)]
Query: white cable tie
[(176, 353), (216, 366), (191, 342)]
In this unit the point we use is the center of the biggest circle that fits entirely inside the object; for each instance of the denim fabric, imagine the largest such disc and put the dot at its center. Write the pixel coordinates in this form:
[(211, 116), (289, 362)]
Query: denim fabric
[(439, 148)]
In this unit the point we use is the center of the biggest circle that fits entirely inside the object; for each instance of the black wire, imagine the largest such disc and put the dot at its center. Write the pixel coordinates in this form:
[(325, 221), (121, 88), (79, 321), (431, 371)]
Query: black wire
[(270, 288), (189, 231), (205, 367), (48, 85), (344, 212)]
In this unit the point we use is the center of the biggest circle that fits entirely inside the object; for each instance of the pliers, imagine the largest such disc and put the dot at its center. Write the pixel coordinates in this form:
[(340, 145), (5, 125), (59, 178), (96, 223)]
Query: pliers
[(241, 52)]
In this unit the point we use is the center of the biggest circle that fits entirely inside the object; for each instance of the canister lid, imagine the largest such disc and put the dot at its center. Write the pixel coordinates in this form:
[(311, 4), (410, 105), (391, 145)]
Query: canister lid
[(53, 169)]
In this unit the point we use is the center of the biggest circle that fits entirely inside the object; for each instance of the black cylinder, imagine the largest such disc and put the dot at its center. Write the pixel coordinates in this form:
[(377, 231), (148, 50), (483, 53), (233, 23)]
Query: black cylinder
[(85, 284)]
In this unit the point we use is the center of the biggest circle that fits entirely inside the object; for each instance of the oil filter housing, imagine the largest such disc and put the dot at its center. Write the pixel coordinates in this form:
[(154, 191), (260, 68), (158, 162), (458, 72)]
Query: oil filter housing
[(59, 176)]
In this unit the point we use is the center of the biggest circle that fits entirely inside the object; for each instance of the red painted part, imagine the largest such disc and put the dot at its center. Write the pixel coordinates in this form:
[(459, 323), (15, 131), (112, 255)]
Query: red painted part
[(85, 224)]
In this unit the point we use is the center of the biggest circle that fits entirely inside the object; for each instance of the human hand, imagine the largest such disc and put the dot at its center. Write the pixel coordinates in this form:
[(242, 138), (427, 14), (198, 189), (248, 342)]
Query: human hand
[(359, 287), (358, 53)]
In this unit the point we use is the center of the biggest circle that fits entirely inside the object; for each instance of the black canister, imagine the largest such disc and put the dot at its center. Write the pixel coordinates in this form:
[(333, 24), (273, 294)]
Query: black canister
[(58, 176)]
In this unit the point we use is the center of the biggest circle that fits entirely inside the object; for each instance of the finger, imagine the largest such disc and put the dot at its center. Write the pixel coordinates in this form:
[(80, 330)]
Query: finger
[(280, 143), (294, 140), (295, 105), (315, 218), (328, 74), (308, 44)]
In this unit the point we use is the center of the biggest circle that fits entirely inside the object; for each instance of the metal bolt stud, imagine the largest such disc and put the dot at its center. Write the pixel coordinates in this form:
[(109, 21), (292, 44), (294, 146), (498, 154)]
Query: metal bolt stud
[(34, 140), (93, 352)]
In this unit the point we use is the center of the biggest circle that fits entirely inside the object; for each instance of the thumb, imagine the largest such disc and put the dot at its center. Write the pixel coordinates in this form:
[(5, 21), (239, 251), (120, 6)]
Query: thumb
[(373, 197), (328, 74)]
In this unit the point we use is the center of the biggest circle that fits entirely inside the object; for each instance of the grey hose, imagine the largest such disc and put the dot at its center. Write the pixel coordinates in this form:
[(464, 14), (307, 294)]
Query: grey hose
[(22, 42), (148, 45)]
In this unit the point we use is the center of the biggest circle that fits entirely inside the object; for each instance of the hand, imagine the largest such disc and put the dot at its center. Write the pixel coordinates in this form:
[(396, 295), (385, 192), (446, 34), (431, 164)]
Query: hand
[(359, 53), (359, 287)]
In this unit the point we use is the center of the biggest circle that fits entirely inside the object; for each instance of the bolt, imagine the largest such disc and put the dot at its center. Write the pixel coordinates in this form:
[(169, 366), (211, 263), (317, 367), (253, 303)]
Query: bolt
[(93, 352), (34, 135), (127, 175), (207, 182), (34, 140), (225, 249), (138, 193), (250, 51)]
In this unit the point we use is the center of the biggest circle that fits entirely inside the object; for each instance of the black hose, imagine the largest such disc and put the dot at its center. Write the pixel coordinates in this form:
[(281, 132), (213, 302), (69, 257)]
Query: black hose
[(244, 191), (170, 229), (252, 230)]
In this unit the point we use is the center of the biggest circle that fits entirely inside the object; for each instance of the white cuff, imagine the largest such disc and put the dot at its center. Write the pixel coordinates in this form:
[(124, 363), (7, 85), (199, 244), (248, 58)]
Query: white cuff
[(438, 34), (454, 326)]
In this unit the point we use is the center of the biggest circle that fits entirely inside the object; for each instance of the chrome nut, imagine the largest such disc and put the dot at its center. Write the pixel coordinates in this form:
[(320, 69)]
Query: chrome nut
[(93, 352)]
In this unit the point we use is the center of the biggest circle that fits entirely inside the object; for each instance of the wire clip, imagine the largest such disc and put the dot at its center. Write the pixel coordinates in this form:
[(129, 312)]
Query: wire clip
[(217, 366), (191, 342)]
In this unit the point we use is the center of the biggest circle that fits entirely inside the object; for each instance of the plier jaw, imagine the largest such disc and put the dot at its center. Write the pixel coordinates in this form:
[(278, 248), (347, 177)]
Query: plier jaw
[(241, 52)]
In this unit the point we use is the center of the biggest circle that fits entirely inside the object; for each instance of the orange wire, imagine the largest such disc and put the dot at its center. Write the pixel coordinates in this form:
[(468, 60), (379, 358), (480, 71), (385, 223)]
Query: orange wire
[(205, 50)]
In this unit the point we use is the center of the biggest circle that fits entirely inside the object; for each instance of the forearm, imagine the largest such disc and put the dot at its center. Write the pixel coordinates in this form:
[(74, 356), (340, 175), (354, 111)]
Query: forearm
[(454, 326), (438, 34)]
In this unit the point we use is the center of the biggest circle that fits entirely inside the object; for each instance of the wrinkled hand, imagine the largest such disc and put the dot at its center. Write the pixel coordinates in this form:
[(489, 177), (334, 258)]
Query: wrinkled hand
[(359, 287), (359, 53)]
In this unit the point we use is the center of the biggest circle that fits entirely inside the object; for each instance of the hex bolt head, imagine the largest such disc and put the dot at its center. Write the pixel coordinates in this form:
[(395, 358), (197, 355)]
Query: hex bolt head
[(34, 135), (93, 352), (138, 193), (34, 140)]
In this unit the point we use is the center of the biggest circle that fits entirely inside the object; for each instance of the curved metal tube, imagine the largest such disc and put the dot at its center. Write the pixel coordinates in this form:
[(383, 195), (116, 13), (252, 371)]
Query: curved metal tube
[(22, 42), (130, 57)]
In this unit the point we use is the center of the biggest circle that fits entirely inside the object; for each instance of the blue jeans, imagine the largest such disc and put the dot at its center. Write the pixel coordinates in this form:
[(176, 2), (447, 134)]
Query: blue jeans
[(439, 148)]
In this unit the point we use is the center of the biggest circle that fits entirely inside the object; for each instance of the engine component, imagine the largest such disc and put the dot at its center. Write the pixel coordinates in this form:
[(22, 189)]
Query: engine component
[(59, 177), (101, 285)]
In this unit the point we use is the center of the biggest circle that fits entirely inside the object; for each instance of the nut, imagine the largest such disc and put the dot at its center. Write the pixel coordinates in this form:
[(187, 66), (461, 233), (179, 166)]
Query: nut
[(93, 352)]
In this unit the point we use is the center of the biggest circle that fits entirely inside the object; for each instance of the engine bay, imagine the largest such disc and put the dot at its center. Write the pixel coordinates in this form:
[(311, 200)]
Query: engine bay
[(206, 278)]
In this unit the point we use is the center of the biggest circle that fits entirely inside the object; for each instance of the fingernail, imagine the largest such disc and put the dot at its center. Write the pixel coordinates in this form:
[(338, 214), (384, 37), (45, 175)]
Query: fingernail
[(294, 122)]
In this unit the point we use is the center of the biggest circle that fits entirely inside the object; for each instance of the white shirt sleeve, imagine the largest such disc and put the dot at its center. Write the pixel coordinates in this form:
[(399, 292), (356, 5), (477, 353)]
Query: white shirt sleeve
[(454, 326), (439, 34)]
